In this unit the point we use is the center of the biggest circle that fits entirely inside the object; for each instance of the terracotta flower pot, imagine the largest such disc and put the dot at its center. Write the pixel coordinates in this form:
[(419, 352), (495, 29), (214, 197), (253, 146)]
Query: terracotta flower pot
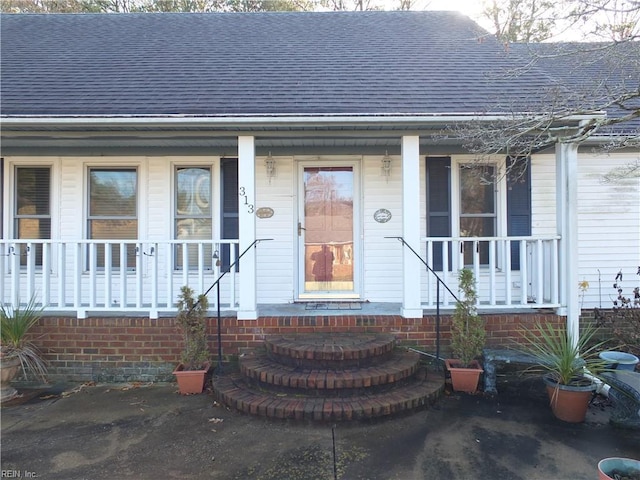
[(608, 468), (190, 381), (464, 379), (569, 403)]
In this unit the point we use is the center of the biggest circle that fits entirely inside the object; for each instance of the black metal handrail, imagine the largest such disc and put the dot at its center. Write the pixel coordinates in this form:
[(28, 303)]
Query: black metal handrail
[(216, 283), (439, 281)]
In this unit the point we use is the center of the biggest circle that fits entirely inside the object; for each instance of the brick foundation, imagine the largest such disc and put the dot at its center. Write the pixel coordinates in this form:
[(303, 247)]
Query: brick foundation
[(141, 349)]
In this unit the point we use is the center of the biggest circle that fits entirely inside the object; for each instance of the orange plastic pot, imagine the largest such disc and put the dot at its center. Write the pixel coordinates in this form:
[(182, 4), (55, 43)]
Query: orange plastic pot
[(190, 381), (464, 379)]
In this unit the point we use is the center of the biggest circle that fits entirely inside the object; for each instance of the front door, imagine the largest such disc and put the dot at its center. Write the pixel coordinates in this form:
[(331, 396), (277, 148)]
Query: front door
[(327, 244)]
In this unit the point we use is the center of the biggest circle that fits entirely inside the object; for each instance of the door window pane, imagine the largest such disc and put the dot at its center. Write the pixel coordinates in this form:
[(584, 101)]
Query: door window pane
[(113, 200), (328, 229), (33, 213)]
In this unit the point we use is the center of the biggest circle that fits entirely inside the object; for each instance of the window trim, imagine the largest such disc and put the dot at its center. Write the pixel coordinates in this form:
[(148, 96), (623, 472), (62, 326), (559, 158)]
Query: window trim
[(15, 216)]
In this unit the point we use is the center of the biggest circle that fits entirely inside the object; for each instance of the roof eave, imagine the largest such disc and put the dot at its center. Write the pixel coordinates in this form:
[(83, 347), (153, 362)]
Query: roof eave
[(260, 121)]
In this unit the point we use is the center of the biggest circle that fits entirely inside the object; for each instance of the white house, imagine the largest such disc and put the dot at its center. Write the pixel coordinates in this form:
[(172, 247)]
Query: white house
[(142, 152)]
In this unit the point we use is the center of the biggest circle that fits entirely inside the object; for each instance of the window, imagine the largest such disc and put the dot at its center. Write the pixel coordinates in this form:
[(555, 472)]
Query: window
[(32, 207), (113, 214), (477, 207), (193, 212)]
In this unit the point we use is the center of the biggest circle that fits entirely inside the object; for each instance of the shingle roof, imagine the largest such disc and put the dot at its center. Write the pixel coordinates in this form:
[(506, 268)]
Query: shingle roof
[(597, 74), (357, 63)]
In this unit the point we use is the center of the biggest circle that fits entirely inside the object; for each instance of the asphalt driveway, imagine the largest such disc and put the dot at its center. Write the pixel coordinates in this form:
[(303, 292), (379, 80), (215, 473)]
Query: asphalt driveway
[(150, 432)]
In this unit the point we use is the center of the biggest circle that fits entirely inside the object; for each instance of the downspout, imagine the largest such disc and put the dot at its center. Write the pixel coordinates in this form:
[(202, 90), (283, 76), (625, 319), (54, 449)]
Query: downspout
[(567, 227), (601, 387)]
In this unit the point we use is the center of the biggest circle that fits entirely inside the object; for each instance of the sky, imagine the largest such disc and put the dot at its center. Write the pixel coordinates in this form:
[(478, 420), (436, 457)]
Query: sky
[(470, 8)]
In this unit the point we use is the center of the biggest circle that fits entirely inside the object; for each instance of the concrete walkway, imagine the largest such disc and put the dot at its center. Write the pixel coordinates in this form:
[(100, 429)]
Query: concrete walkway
[(151, 432)]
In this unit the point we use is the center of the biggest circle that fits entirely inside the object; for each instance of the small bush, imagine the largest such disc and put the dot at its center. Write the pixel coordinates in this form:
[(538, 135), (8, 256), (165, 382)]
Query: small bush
[(467, 327)]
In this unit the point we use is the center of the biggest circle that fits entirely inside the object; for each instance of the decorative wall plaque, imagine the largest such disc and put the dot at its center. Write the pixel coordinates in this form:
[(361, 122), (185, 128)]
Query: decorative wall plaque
[(382, 215), (264, 212)]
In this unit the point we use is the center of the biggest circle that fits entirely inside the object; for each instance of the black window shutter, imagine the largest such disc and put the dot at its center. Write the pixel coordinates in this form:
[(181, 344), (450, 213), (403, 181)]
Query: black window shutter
[(229, 197), (439, 205), (518, 203)]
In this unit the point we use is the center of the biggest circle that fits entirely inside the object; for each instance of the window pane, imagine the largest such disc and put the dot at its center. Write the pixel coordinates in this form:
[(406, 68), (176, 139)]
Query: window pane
[(114, 230), (112, 193), (33, 188), (193, 192), (33, 228), (193, 229), (477, 190), (477, 227)]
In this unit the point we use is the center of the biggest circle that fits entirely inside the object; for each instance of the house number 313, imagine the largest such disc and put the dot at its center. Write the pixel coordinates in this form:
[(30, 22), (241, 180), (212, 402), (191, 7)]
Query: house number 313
[(243, 193)]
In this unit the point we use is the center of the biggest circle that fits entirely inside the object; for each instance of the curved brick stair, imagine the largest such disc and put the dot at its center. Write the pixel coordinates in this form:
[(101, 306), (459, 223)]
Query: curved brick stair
[(260, 369), (329, 377)]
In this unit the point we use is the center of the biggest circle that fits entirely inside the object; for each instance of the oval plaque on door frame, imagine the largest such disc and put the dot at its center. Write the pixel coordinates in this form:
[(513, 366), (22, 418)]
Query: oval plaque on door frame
[(382, 215), (264, 212)]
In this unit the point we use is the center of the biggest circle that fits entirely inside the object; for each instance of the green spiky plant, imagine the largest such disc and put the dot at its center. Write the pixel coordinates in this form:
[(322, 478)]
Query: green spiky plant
[(15, 342), (558, 355), (191, 321), (467, 327)]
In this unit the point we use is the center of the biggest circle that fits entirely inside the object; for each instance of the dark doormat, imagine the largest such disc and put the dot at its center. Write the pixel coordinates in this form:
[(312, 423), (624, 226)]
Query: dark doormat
[(333, 306)]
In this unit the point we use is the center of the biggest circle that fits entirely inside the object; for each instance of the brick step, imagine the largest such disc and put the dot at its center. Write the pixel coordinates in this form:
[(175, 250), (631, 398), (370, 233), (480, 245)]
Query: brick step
[(258, 367), (330, 350), (234, 391)]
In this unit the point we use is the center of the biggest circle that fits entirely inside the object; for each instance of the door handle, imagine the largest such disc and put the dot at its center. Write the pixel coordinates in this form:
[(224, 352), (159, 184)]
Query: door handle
[(300, 228)]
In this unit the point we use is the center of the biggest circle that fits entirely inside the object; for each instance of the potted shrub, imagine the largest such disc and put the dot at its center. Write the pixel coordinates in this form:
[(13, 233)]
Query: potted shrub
[(616, 468), (467, 337), (564, 364), (195, 357), (17, 351)]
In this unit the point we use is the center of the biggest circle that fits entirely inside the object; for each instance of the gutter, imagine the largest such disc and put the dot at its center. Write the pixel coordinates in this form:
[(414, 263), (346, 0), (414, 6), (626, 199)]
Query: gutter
[(262, 120)]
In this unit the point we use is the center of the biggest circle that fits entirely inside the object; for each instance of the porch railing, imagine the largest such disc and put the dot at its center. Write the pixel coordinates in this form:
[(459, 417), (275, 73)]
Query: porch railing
[(131, 276), (511, 272), (114, 275)]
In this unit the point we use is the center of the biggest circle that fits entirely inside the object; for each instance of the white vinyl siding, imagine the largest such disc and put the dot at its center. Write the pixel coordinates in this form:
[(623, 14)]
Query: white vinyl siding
[(608, 226), (543, 195), (276, 259), (382, 274)]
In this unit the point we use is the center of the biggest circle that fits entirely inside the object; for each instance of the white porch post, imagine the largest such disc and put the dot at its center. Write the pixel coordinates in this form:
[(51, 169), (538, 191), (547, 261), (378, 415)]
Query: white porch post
[(567, 228), (247, 227), (411, 266)]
